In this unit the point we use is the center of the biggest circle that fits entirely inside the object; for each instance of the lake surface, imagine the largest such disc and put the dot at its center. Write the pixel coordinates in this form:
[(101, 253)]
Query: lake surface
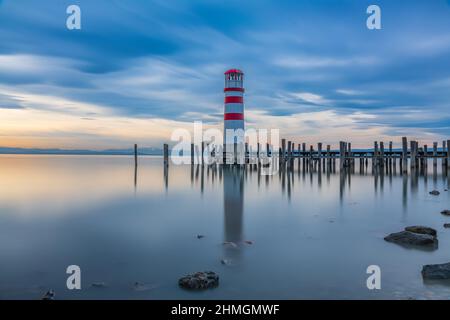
[(313, 233)]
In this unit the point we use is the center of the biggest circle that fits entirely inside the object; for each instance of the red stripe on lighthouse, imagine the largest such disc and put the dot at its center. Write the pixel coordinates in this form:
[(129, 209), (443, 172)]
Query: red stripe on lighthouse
[(233, 89), (233, 116), (234, 100)]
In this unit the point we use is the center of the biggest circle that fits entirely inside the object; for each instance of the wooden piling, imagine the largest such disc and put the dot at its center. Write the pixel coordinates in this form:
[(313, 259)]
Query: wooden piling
[(448, 154), (404, 162), (192, 154), (435, 146), (135, 155), (166, 154)]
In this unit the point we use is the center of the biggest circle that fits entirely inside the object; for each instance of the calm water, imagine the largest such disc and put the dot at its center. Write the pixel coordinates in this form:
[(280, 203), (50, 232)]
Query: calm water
[(313, 234)]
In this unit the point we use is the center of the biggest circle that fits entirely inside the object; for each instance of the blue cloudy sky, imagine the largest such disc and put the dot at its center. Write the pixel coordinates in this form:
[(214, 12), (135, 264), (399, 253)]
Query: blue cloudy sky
[(139, 69)]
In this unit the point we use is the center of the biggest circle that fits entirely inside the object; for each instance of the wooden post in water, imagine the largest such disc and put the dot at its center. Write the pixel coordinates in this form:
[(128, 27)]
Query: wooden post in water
[(135, 155), (257, 153), (166, 154), (425, 153), (192, 154), (203, 151), (444, 159), (435, 146), (413, 154), (382, 153), (341, 155), (319, 152), (448, 154), (390, 153), (375, 154), (289, 154), (283, 150), (404, 162), (328, 154), (303, 154)]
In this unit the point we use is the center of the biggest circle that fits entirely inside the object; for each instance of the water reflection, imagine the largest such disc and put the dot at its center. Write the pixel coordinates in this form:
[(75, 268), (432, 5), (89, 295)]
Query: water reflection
[(233, 209)]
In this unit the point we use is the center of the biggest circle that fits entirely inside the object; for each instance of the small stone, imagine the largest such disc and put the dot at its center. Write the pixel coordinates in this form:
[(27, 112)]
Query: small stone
[(411, 238), (199, 236), (230, 243), (446, 225), (199, 281), (225, 262), (49, 295), (436, 271), (445, 212), (248, 242), (435, 193), (421, 230), (98, 284)]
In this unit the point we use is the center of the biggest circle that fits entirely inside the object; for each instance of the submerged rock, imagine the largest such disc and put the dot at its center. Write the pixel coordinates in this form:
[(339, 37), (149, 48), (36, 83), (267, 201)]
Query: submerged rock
[(200, 236), (421, 230), (446, 225), (230, 243), (436, 271), (49, 295), (445, 212), (199, 281), (411, 238), (225, 262), (98, 284), (435, 193)]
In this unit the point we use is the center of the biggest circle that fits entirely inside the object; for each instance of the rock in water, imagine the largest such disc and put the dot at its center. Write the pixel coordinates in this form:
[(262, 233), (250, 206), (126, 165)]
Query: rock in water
[(199, 281), (445, 212), (411, 238), (446, 225), (436, 271), (49, 295), (435, 193), (421, 230)]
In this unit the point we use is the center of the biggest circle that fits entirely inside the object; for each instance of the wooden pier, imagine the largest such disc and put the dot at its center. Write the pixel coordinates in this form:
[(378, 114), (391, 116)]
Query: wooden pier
[(415, 156)]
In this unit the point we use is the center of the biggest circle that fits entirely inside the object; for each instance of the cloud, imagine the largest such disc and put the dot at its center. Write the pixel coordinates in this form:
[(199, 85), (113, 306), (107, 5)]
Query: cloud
[(157, 63)]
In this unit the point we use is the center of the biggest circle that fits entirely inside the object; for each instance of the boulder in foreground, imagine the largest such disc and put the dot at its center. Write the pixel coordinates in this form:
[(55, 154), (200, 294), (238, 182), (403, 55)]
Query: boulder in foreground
[(436, 271), (411, 238), (421, 230), (435, 193), (199, 281)]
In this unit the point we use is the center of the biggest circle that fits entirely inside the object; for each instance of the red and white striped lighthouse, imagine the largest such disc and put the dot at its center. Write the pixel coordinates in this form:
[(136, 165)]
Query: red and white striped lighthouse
[(234, 103)]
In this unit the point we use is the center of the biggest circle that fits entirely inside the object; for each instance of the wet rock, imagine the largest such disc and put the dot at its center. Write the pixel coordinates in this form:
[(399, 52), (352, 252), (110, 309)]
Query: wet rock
[(421, 230), (49, 295), (436, 271), (445, 212), (199, 281), (140, 286), (435, 193), (411, 238), (446, 225), (230, 243), (199, 236), (248, 241), (98, 285), (225, 262)]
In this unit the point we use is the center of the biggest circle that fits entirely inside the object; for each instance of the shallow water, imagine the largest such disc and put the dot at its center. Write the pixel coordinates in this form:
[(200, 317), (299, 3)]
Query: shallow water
[(314, 234)]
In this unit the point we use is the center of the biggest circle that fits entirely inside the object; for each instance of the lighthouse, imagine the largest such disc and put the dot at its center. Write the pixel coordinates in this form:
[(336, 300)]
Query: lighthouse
[(233, 117)]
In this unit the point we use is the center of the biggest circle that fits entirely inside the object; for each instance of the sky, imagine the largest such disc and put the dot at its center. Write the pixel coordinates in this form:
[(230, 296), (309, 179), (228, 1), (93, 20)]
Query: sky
[(137, 70)]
